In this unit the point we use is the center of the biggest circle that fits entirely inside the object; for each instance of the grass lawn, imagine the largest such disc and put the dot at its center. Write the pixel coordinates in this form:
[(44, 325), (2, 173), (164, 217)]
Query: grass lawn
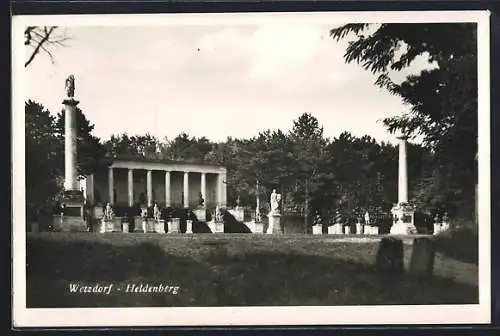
[(234, 270)]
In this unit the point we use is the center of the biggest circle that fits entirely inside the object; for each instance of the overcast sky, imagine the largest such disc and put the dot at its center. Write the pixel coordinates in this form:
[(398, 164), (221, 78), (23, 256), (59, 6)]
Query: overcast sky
[(213, 80)]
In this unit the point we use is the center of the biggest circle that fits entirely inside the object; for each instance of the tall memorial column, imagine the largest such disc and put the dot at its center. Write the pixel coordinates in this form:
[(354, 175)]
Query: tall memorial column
[(149, 187), (130, 183), (111, 186), (168, 199), (402, 171), (222, 189), (73, 196), (186, 189), (70, 151), (402, 212), (203, 187)]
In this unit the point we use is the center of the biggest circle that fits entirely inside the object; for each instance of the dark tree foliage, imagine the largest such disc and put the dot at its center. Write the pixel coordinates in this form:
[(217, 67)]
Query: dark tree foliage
[(43, 161), (443, 99), (91, 153)]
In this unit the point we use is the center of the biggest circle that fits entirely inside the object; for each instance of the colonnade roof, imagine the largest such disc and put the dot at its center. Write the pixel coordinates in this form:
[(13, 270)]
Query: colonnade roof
[(168, 165)]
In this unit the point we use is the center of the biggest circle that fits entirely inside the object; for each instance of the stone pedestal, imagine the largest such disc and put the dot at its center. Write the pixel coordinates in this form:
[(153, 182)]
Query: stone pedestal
[(72, 220), (201, 214), (125, 227), (258, 227), (117, 224), (106, 226), (347, 230), (138, 224), (422, 258), (371, 230), (335, 229), (404, 224), (218, 227), (437, 228), (150, 225), (317, 229), (274, 224), (159, 226), (359, 228), (189, 226), (174, 225)]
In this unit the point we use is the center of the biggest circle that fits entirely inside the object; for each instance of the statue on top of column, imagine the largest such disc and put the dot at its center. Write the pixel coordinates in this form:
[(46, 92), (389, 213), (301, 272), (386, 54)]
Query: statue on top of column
[(70, 86)]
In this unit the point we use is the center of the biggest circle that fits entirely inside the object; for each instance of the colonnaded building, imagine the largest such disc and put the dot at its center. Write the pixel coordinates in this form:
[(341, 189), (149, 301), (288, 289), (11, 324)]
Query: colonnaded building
[(147, 181)]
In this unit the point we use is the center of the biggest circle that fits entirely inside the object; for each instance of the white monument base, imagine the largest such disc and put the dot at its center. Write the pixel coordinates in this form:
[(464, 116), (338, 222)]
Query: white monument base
[(174, 225), (347, 230), (371, 230), (218, 227), (125, 227), (359, 228), (437, 228), (160, 226), (274, 224), (138, 225), (404, 224), (335, 229), (317, 229), (258, 227), (189, 226)]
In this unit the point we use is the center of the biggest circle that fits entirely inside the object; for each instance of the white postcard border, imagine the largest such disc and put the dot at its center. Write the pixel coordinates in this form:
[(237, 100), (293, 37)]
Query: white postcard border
[(226, 316)]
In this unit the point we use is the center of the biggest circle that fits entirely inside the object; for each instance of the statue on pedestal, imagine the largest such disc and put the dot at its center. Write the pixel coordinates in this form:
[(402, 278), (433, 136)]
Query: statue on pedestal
[(274, 200), (156, 212), (317, 219), (108, 212)]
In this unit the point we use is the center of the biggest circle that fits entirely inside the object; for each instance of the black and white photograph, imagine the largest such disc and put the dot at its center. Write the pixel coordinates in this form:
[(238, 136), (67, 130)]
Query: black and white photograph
[(251, 169)]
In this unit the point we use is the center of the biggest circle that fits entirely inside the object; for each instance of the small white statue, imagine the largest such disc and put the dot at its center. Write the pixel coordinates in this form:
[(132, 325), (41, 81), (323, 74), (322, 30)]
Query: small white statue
[(108, 212), (144, 212), (217, 215), (274, 200), (367, 218), (156, 212)]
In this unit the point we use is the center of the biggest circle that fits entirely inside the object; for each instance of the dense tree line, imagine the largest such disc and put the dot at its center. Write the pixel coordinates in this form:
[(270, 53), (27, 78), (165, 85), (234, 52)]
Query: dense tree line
[(315, 173), (312, 172)]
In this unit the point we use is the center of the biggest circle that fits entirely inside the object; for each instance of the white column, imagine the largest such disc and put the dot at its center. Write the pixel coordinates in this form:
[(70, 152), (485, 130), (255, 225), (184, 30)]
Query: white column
[(149, 186), (222, 190), (403, 171), (203, 184), (168, 200), (257, 206), (186, 189), (111, 186), (70, 174), (130, 187)]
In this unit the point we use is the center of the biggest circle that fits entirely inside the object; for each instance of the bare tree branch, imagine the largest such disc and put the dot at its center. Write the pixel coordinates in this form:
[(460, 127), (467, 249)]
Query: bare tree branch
[(43, 38)]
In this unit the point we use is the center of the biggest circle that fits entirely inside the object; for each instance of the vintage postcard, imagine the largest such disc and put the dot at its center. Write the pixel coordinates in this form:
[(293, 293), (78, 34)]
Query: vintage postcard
[(251, 169)]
